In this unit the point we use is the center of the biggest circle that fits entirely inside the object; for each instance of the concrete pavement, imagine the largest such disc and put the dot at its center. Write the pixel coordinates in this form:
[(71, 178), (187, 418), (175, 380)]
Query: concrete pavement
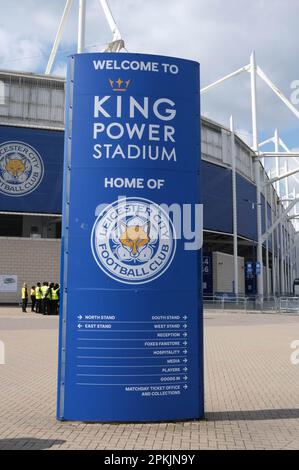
[(251, 390)]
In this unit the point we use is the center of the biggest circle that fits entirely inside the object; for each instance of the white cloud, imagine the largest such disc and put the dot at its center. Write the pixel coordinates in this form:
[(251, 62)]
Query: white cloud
[(60, 70), (21, 53)]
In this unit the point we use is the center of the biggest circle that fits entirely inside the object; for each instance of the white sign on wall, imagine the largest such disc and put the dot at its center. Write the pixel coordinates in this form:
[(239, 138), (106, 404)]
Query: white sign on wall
[(8, 283)]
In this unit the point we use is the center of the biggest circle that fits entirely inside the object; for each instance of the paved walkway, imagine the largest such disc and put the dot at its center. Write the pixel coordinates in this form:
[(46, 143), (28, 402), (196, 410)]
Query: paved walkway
[(252, 390)]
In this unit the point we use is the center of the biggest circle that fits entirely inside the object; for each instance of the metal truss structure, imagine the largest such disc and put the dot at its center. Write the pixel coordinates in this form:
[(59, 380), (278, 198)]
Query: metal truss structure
[(116, 45)]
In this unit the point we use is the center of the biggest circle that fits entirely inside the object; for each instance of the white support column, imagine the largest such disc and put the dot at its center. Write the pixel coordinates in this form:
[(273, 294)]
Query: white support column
[(277, 188), (276, 143), (260, 282), (289, 282), (58, 36), (286, 244), (287, 260), (286, 274), (278, 280), (281, 242), (267, 241), (287, 179), (81, 26), (110, 20), (273, 244), (290, 263), (293, 258), (235, 220), (294, 266)]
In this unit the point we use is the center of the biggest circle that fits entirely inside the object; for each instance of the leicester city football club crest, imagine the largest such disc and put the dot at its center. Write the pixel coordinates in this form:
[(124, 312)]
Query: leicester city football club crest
[(21, 169), (133, 241)]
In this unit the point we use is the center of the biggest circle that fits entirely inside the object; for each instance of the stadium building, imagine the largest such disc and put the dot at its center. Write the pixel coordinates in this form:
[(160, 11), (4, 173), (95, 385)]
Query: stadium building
[(31, 153)]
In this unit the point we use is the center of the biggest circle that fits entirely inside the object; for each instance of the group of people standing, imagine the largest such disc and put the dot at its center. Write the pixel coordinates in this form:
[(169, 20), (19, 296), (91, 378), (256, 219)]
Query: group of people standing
[(44, 298)]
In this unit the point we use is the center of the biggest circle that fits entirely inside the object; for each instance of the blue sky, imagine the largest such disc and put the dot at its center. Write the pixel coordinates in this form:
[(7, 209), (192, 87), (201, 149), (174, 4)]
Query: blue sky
[(220, 35)]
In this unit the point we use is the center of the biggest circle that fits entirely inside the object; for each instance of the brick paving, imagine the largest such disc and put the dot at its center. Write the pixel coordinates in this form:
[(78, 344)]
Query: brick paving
[(251, 390)]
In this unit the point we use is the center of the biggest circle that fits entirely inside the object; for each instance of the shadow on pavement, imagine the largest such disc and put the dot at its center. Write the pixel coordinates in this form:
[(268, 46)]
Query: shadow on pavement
[(253, 415), (28, 443)]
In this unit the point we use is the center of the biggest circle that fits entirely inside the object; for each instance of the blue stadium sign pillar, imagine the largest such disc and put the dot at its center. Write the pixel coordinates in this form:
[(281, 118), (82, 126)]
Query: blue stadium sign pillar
[(131, 312)]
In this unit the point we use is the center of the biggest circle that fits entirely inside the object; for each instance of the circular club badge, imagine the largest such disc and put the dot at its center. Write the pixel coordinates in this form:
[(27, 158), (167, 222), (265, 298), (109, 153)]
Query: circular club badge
[(21, 169), (133, 241)]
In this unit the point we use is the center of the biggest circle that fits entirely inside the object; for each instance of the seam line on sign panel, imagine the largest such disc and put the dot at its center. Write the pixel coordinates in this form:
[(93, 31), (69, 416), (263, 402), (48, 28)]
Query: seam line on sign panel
[(160, 365), (126, 339), (152, 321), (130, 331), (135, 385), (128, 357), (66, 236), (166, 348), (131, 375)]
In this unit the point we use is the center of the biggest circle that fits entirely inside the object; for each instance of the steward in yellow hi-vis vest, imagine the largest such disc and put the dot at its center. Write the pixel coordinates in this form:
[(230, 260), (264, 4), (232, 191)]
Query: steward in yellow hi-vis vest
[(33, 299), (55, 299), (38, 298), (46, 295), (24, 297)]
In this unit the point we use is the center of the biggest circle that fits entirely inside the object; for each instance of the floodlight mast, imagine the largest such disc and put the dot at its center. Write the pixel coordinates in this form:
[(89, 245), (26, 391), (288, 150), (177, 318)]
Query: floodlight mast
[(58, 36), (111, 20), (116, 45), (81, 26)]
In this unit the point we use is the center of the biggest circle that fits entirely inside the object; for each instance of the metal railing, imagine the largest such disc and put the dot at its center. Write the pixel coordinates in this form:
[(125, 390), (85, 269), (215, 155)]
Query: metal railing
[(271, 304), (289, 305), (225, 302)]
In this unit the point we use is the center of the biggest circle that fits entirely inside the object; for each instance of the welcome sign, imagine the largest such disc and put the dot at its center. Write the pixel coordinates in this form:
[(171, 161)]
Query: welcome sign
[(130, 344)]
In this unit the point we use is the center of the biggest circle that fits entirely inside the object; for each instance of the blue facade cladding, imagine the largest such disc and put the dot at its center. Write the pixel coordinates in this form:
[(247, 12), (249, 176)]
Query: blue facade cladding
[(217, 197), (31, 167), (246, 202)]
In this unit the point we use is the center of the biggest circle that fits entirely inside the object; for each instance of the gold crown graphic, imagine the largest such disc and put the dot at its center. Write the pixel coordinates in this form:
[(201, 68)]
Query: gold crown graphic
[(119, 85)]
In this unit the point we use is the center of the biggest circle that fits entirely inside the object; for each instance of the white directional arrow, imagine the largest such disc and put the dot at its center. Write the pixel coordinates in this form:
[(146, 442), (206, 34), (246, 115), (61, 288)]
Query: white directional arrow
[(185, 343), (80, 317), (185, 360), (185, 369), (185, 351), (185, 317), (185, 334), (185, 386), (184, 326), (79, 326), (185, 377)]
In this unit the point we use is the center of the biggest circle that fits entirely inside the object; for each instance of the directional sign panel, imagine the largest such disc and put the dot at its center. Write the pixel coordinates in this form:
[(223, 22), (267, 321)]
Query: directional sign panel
[(130, 345)]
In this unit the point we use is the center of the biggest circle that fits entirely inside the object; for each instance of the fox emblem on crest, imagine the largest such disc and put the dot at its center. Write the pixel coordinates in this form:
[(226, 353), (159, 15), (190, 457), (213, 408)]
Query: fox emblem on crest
[(15, 166), (135, 237), (134, 242)]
